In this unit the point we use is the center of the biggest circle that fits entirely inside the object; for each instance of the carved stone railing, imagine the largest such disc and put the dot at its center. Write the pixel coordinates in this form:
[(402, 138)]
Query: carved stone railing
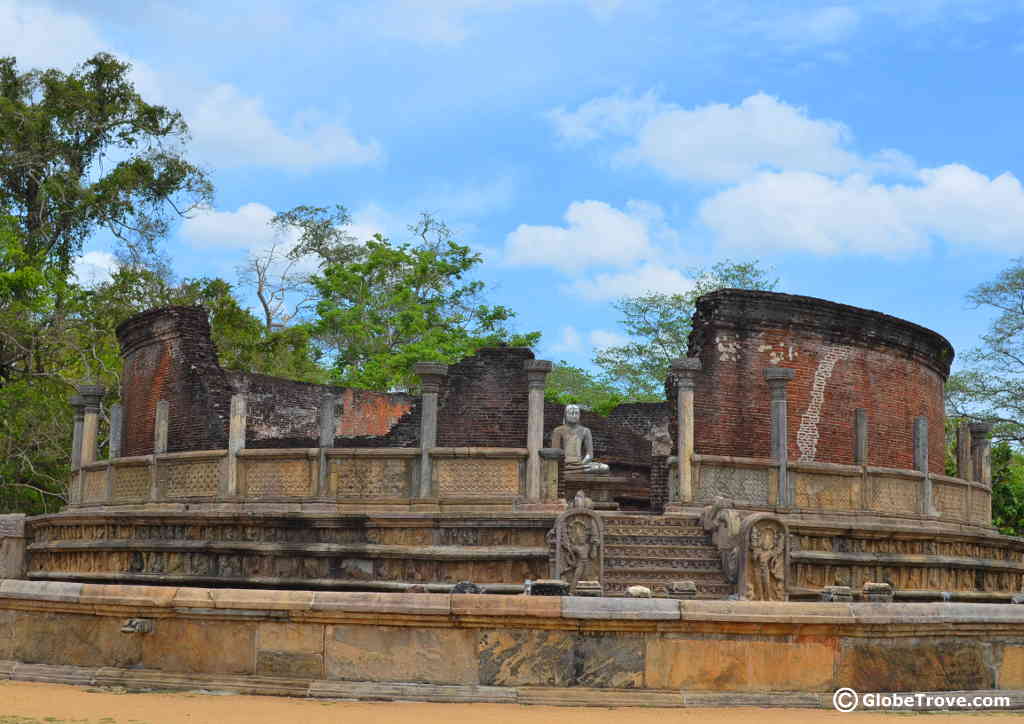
[(350, 477), (830, 487)]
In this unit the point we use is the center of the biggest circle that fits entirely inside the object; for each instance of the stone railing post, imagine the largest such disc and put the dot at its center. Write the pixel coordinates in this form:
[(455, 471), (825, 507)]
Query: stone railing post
[(116, 425), (12, 545), (236, 440), (328, 425), (860, 436), (964, 468), (778, 378), (78, 403), (160, 427), (981, 452), (685, 369), (536, 374), (431, 376), (551, 463), (91, 396), (921, 462)]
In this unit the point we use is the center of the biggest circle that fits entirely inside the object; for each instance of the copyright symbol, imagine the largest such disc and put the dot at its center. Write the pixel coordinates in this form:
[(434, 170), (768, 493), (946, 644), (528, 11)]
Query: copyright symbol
[(845, 700)]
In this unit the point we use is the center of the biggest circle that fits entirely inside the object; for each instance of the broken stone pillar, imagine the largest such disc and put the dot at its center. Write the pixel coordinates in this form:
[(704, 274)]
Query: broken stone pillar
[(860, 436), (536, 374), (964, 467), (12, 546), (116, 423), (685, 369), (778, 378), (431, 376), (91, 396), (328, 425), (981, 452), (921, 462), (160, 427), (236, 440)]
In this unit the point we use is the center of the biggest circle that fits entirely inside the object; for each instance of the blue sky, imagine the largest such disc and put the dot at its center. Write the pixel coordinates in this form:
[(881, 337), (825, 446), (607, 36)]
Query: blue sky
[(869, 152)]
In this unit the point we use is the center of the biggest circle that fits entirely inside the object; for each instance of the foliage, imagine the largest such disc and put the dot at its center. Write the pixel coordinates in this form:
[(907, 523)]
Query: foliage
[(992, 387), (568, 384), (81, 151), (1007, 489), (659, 325), (403, 303)]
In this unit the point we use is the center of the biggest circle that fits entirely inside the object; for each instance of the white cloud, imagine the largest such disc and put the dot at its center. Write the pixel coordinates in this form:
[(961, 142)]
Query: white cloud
[(650, 277), (808, 28), (246, 228), (595, 233), (571, 343), (601, 338), (720, 143), (233, 129), (95, 267), (810, 212), (229, 127)]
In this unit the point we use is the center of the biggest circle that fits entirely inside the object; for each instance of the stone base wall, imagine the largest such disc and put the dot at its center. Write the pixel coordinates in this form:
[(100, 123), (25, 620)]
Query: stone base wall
[(280, 549), (528, 649)]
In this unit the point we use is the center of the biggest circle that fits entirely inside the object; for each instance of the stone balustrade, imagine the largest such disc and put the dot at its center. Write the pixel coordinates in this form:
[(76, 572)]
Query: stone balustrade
[(352, 477)]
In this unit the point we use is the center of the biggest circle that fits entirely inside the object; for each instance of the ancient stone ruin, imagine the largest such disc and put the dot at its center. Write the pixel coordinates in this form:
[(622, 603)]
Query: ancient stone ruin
[(798, 455)]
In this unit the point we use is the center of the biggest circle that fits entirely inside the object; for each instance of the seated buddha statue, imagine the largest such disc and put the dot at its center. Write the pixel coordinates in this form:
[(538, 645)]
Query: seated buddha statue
[(576, 441)]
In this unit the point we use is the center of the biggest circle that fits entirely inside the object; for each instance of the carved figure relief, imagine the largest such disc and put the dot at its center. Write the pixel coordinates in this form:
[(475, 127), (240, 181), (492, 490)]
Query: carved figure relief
[(764, 564), (578, 542)]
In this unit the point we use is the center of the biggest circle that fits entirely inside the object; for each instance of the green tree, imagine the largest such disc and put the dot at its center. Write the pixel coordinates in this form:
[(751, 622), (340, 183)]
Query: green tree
[(992, 385), (570, 384), (659, 326), (404, 303), (59, 133), (1007, 489)]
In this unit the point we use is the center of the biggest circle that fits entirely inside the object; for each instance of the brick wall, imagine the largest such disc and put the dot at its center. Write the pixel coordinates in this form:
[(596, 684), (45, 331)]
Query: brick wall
[(844, 357), (167, 354)]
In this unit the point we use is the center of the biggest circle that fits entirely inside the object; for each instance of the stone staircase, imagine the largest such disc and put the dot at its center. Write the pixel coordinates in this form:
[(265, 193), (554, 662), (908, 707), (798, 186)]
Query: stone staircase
[(656, 550)]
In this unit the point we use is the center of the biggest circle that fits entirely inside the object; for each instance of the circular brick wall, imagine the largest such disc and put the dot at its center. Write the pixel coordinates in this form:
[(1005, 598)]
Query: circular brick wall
[(167, 355), (844, 357)]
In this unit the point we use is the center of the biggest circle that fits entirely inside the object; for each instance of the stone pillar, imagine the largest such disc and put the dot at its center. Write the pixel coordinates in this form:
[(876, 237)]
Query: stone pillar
[(860, 436), (78, 403), (685, 370), (921, 462), (431, 375), (328, 425), (12, 545), (778, 378), (551, 464), (964, 466), (236, 441), (163, 415), (92, 395), (981, 452), (116, 431), (536, 374)]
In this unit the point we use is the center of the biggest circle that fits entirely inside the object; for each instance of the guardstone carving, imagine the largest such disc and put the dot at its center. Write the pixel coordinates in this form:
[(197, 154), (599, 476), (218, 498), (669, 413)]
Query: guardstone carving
[(578, 543), (764, 559)]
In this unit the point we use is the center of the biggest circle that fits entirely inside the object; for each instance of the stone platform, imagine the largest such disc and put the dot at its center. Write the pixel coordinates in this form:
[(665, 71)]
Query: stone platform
[(526, 649)]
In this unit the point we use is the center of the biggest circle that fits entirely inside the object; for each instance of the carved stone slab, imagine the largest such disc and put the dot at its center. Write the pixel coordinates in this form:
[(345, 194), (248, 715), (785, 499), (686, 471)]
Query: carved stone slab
[(764, 559), (12, 526), (578, 542)]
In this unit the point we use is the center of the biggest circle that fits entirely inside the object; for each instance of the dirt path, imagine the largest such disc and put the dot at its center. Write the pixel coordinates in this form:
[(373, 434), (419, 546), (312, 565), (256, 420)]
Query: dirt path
[(23, 703)]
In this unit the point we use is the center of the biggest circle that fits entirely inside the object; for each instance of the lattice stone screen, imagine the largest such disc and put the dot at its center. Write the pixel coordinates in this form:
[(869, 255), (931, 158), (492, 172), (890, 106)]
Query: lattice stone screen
[(826, 492), (189, 478), (466, 477), (361, 477), (737, 483), (949, 500), (130, 482), (279, 477), (94, 486), (895, 495)]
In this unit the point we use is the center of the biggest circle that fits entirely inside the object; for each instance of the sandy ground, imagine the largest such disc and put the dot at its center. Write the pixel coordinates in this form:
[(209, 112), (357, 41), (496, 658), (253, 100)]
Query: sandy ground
[(23, 703)]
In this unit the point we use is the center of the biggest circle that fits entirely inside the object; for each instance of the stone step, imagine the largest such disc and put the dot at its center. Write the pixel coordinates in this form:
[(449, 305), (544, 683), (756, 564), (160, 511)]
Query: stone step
[(619, 550), (668, 540)]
